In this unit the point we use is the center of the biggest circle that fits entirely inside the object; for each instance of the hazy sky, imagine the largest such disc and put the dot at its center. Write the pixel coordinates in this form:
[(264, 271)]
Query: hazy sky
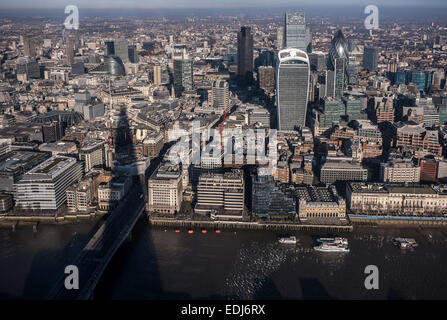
[(166, 4)]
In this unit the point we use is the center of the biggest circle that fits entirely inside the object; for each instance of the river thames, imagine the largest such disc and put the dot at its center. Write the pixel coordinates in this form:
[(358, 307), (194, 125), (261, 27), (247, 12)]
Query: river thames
[(161, 264)]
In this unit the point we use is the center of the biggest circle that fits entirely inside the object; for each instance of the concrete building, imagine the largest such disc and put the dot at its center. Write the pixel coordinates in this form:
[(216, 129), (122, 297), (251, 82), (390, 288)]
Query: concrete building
[(93, 154), (79, 196), (44, 187), (333, 171), (165, 189), (318, 204), (111, 193), (15, 164), (221, 195), (152, 144), (219, 95), (62, 147), (400, 170), (378, 198)]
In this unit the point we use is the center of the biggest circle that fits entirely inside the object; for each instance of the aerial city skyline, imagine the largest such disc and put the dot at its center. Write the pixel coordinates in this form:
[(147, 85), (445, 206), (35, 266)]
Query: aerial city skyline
[(150, 132)]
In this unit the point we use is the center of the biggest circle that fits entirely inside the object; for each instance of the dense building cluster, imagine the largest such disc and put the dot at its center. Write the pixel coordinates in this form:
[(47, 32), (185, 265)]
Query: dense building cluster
[(284, 119)]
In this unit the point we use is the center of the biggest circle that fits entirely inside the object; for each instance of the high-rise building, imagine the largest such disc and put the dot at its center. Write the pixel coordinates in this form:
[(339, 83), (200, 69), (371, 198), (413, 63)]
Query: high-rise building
[(280, 38), (133, 54), (156, 75), (292, 87), (44, 187), (183, 75), (29, 48), (70, 50), (295, 31), (245, 54), (109, 48), (338, 60), (122, 50), (219, 97), (370, 58), (266, 78)]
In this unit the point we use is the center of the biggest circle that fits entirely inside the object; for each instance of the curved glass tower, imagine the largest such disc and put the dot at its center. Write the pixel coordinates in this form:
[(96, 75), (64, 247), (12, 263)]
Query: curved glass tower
[(339, 50), (114, 66), (292, 88)]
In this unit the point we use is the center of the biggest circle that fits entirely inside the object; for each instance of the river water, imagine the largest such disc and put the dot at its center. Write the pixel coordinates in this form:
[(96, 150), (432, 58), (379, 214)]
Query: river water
[(162, 264)]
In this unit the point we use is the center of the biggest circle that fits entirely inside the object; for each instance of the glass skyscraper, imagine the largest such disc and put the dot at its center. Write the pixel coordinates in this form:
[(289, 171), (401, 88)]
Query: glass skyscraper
[(122, 50), (295, 31), (245, 53), (292, 88), (183, 75), (370, 58)]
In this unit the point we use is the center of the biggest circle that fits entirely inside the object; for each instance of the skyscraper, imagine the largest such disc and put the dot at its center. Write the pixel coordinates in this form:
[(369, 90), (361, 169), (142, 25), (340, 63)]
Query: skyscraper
[(292, 88), (219, 95), (29, 49), (133, 55), (122, 50), (114, 66), (339, 50), (109, 48), (370, 57), (280, 38), (183, 75), (245, 54), (70, 50), (295, 31)]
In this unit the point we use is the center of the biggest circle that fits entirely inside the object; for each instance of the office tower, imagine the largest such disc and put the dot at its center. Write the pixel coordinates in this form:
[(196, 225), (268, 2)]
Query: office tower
[(317, 61), (92, 154), (133, 55), (280, 38), (268, 199), (335, 79), (231, 55), (337, 170), (114, 66), (70, 50), (29, 67), (221, 195), (165, 189), (422, 79), (183, 75), (265, 58), (245, 54), (338, 58), (292, 88), (266, 78), (308, 40), (122, 50), (29, 49), (109, 48), (219, 97), (156, 75), (295, 31), (44, 187), (370, 58), (333, 112), (88, 107)]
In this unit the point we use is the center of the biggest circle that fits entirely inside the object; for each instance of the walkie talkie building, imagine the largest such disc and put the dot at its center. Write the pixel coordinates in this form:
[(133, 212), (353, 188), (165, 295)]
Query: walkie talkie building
[(292, 88)]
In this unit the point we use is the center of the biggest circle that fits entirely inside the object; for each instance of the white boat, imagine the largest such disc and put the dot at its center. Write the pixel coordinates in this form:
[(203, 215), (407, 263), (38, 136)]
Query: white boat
[(287, 240), (405, 243), (336, 240), (331, 247)]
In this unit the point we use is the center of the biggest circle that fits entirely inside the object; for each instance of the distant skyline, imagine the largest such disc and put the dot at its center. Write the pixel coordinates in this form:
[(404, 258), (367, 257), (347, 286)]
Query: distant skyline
[(182, 4)]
